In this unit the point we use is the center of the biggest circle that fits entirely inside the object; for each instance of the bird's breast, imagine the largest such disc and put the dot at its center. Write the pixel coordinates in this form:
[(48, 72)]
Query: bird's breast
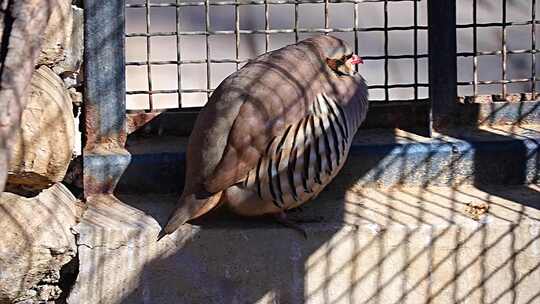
[(299, 163)]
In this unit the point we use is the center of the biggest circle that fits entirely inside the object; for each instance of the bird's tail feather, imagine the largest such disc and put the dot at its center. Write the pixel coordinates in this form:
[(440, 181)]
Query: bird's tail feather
[(189, 207)]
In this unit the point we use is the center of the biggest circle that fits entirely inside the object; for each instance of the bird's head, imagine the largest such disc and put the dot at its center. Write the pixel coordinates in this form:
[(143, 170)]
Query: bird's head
[(338, 55)]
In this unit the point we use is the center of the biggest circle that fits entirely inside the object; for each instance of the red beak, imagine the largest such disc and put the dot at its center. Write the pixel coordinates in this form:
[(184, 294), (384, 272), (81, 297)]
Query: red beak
[(355, 59)]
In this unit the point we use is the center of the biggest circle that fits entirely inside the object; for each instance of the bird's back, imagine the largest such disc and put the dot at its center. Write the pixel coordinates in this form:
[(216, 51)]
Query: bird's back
[(249, 108)]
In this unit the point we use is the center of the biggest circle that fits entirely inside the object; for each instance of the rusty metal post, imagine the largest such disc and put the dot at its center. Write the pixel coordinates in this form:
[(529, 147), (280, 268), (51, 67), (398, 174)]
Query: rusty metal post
[(442, 63), (104, 155)]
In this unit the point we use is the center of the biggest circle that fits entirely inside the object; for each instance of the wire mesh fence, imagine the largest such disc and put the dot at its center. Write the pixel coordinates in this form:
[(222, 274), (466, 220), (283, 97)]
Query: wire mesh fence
[(178, 52), (497, 50)]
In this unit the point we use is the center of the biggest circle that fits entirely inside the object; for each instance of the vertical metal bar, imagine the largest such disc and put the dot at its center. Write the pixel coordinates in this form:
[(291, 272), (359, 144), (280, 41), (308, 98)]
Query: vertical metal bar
[(475, 49), (355, 32), (386, 63), (415, 46), (104, 155), (148, 55), (533, 50), (442, 63), (266, 26), (326, 17), (178, 54), (296, 21), (504, 49), (237, 33), (207, 44)]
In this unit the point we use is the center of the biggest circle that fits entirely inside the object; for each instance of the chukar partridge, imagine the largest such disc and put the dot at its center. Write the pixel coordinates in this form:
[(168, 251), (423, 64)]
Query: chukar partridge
[(274, 133)]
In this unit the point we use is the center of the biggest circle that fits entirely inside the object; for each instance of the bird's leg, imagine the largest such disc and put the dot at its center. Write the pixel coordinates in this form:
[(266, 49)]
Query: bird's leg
[(296, 209), (285, 221), (297, 216)]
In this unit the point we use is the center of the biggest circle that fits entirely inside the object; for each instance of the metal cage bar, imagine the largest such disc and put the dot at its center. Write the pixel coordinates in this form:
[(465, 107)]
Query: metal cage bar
[(355, 24), (281, 31), (475, 48), (533, 47), (207, 45), (442, 63), (326, 15), (386, 63), (237, 35), (266, 26), (255, 2), (415, 48), (504, 49), (104, 157), (148, 55), (296, 38), (178, 56)]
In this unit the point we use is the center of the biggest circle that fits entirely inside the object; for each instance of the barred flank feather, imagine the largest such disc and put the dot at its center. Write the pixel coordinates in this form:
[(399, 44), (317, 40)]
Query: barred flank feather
[(322, 154)]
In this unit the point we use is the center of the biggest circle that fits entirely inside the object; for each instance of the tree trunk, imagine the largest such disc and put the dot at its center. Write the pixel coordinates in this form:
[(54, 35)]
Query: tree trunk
[(22, 25)]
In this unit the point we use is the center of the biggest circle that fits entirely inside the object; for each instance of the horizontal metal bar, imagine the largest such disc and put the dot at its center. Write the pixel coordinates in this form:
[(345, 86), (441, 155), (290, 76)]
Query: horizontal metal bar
[(464, 83), (374, 103), (398, 85), (486, 53), (257, 2), (139, 92), (374, 87), (278, 31), (195, 110), (495, 24), (200, 61), (489, 98), (203, 61)]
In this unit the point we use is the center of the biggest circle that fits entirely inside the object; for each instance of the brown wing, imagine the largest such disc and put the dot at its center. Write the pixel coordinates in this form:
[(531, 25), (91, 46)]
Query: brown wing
[(275, 98)]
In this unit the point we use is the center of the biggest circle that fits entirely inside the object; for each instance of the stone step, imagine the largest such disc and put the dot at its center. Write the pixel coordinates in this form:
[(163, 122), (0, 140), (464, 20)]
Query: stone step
[(488, 155), (368, 245)]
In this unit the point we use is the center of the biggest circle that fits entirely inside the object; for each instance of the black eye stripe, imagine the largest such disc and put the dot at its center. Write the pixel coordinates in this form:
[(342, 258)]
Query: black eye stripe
[(345, 58)]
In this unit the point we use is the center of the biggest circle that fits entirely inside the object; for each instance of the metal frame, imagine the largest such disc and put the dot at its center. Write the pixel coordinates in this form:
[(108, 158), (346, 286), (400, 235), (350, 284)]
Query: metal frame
[(442, 63), (104, 155)]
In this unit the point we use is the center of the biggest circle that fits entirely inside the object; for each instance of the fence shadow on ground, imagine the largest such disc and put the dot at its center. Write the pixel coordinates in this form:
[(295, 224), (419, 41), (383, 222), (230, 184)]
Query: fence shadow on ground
[(403, 244)]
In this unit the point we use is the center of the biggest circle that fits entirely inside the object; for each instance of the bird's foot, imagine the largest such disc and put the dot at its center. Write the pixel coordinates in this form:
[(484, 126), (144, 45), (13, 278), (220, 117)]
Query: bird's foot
[(285, 221), (298, 209), (295, 215), (308, 220)]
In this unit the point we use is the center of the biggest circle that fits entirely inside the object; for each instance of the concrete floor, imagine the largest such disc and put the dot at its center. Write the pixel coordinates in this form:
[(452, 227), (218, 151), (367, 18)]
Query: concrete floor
[(370, 245)]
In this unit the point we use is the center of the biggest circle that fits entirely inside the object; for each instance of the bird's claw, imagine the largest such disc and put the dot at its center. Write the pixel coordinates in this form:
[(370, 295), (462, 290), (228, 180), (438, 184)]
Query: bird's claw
[(282, 219)]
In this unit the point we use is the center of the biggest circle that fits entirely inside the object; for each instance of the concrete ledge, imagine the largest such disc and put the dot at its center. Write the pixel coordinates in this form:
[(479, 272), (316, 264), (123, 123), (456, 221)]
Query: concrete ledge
[(373, 245), (496, 155)]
